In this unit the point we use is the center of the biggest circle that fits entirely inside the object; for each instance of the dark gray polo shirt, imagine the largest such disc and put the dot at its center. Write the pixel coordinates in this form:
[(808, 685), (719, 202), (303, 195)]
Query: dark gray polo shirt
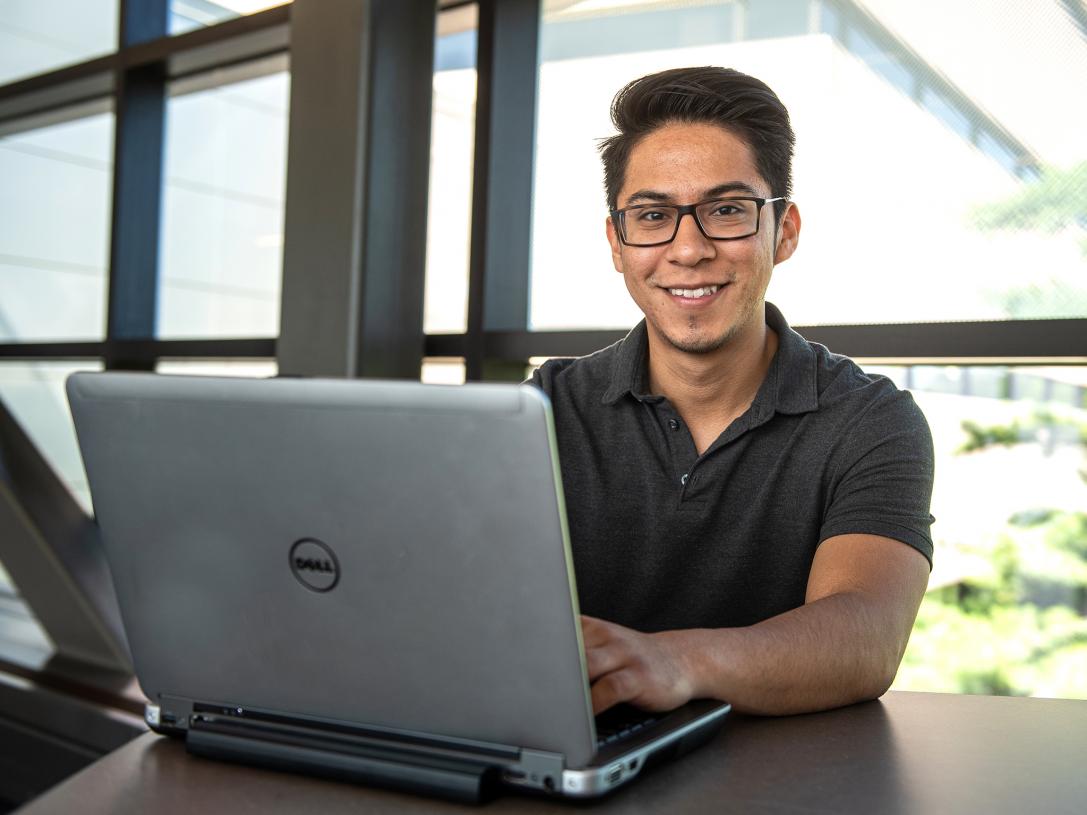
[(664, 538)]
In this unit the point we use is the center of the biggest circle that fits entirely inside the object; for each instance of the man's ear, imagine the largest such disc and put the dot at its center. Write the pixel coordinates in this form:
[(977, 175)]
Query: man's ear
[(616, 247), (788, 234)]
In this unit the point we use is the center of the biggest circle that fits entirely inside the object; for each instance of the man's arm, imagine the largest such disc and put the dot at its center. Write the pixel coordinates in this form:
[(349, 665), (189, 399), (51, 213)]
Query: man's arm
[(843, 645)]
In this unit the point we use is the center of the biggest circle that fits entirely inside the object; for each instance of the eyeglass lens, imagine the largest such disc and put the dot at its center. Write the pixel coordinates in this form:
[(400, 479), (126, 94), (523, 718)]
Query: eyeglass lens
[(725, 218)]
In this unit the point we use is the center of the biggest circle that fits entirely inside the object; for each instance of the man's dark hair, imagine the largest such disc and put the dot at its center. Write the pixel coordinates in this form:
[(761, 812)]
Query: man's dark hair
[(722, 96)]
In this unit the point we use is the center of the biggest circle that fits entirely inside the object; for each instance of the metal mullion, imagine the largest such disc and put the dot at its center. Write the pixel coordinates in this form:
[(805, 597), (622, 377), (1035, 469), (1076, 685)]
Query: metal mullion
[(239, 40), (473, 340), (228, 43), (214, 41), (447, 345), (507, 71), (64, 88), (142, 21), (1052, 342), (13, 351), (142, 352), (996, 339), (257, 348), (389, 342), (137, 200)]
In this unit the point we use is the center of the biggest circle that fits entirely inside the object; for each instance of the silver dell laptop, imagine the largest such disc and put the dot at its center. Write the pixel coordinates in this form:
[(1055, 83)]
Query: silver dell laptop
[(359, 579)]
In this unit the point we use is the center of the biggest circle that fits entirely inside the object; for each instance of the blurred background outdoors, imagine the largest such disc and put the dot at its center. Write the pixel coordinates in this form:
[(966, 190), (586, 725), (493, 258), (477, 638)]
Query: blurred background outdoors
[(941, 171)]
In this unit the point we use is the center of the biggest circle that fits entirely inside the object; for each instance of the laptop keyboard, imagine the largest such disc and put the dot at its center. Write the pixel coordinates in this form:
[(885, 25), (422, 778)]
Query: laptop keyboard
[(621, 721)]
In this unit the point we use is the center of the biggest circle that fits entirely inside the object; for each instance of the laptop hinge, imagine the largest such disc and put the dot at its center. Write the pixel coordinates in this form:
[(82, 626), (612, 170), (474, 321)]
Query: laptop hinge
[(443, 774)]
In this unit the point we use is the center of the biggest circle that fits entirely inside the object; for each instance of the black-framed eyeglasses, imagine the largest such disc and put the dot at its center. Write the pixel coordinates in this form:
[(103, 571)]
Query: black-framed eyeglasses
[(719, 219)]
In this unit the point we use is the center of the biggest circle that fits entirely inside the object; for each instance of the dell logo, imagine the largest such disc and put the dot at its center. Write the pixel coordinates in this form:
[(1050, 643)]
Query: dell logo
[(309, 564), (314, 565)]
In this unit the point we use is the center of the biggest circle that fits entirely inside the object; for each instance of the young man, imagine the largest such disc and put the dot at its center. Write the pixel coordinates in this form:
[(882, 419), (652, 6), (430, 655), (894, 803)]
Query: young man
[(749, 512)]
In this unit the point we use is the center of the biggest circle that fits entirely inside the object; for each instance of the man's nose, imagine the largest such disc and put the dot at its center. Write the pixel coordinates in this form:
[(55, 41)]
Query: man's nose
[(690, 245)]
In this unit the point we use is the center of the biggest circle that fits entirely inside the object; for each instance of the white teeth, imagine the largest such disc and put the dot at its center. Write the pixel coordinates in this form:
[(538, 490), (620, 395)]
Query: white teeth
[(692, 293)]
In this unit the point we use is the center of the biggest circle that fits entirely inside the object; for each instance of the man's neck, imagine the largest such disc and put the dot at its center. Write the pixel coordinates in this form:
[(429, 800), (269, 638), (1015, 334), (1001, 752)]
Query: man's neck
[(711, 390)]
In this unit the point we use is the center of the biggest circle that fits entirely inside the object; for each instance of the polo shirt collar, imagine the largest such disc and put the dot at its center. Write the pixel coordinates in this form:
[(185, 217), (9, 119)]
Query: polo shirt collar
[(790, 385), (630, 367)]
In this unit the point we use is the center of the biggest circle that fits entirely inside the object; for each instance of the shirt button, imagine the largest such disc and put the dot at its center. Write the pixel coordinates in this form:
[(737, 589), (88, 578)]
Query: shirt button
[(672, 423), (685, 478)]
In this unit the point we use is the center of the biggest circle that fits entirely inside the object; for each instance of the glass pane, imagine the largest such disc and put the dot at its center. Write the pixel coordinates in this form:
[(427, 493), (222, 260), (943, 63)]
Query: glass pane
[(34, 393), (222, 228), (890, 111), (1005, 611), (219, 367), (451, 165), (185, 15), (443, 371), (54, 226), (42, 35), (22, 639)]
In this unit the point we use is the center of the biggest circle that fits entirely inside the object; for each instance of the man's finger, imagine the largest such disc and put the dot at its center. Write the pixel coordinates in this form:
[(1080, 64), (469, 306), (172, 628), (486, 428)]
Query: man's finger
[(610, 690), (595, 632), (603, 660)]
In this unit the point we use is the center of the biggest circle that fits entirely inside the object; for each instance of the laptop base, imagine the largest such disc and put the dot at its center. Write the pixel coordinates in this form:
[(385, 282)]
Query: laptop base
[(289, 749)]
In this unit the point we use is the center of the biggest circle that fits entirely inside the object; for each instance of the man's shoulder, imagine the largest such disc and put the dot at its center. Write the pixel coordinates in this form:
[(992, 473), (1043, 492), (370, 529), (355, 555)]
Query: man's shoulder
[(577, 375), (841, 384)]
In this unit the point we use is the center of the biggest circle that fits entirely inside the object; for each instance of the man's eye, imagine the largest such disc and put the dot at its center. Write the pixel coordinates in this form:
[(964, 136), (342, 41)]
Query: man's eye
[(726, 211), (653, 217)]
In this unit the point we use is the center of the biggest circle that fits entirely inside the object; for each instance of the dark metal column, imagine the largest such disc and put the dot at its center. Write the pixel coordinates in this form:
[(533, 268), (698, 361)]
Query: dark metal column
[(137, 184), (357, 183), (498, 294)]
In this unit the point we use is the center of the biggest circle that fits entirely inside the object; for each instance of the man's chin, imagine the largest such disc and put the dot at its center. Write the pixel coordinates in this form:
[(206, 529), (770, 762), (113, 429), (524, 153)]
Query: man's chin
[(700, 344)]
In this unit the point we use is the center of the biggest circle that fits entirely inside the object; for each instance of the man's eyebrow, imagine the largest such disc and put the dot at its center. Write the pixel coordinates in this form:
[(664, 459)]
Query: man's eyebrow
[(714, 192), (732, 186), (647, 195)]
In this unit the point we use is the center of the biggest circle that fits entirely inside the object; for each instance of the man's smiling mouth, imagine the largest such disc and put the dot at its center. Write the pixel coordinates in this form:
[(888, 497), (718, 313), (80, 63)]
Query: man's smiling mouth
[(694, 294)]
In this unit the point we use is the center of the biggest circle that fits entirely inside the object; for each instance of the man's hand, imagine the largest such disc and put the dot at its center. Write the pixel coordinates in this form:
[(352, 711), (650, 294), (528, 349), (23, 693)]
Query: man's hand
[(646, 670), (842, 646)]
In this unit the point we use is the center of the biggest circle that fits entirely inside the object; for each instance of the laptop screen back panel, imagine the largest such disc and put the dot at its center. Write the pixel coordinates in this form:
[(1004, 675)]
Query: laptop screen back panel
[(452, 611)]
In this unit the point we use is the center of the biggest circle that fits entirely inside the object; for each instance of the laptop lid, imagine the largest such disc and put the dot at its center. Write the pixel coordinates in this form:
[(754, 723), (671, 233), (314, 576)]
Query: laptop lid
[(385, 553)]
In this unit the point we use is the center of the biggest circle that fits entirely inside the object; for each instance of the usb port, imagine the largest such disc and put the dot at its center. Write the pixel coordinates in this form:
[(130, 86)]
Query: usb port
[(615, 772)]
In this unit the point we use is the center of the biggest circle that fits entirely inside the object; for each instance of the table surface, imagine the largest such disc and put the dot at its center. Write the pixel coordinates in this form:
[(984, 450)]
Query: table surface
[(907, 753)]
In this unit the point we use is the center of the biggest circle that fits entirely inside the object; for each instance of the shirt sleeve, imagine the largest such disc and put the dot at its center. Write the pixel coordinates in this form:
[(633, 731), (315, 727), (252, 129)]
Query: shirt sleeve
[(882, 482)]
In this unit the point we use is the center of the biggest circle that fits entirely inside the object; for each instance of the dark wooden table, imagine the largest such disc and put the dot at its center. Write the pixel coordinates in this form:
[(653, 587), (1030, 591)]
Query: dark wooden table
[(908, 753)]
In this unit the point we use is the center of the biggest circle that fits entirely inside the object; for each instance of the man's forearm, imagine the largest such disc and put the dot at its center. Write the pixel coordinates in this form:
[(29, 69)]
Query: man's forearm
[(832, 652)]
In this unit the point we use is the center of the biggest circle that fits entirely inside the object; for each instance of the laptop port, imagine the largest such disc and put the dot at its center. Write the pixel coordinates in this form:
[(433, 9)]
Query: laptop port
[(615, 772)]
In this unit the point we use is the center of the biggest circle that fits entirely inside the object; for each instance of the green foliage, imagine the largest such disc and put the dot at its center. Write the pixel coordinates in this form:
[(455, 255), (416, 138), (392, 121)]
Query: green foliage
[(1067, 532), (979, 438), (1011, 650), (1043, 298), (989, 682), (1000, 589), (1031, 517), (1055, 201), (990, 634)]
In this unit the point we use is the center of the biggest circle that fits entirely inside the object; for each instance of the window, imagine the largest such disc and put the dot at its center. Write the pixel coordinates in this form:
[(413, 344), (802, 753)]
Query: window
[(935, 182), (1008, 593), (42, 35), (54, 225), (443, 371), (449, 216), (185, 15), (260, 368), (225, 176), (34, 394)]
